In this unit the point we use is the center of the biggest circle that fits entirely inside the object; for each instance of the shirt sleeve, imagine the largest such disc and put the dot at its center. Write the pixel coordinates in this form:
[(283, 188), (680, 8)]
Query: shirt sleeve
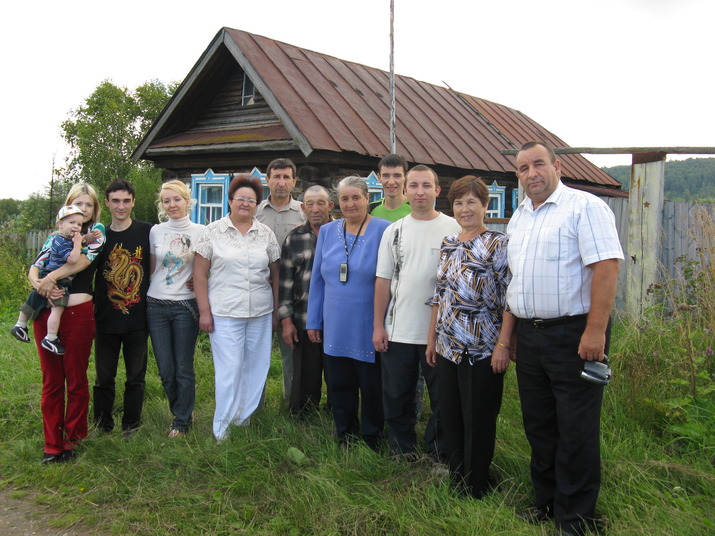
[(439, 280), (385, 261), (273, 249), (94, 248), (285, 286), (501, 267), (204, 246), (597, 233), (316, 294)]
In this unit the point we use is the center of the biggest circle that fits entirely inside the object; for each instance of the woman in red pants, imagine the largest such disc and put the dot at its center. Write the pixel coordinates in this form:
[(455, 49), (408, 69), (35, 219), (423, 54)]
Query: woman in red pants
[(65, 389)]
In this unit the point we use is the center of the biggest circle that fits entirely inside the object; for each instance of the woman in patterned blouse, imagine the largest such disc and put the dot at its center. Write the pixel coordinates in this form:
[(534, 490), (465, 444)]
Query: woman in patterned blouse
[(470, 336)]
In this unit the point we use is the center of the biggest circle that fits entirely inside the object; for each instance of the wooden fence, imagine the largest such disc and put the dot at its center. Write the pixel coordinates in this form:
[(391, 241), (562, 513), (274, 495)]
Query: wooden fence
[(33, 243)]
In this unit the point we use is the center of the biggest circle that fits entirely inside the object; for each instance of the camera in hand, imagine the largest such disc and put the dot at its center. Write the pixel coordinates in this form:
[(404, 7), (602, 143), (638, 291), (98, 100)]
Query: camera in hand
[(597, 372)]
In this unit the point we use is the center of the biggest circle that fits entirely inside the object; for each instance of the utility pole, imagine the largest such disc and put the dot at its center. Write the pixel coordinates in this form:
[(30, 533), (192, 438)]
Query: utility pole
[(393, 144)]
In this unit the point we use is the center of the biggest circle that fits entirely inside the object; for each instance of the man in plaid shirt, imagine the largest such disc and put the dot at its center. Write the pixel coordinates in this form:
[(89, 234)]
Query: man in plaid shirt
[(296, 267)]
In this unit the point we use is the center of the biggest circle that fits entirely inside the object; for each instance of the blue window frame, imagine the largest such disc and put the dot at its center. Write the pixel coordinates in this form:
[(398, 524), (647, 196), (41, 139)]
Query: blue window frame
[(497, 196), (374, 187), (209, 194), (255, 172)]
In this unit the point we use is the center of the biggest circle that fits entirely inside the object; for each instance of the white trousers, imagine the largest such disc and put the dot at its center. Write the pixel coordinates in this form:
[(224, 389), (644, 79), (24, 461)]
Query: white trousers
[(241, 349)]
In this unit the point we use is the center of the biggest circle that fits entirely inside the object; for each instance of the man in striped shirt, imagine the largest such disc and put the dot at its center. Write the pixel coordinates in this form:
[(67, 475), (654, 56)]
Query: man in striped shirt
[(564, 257), (296, 268)]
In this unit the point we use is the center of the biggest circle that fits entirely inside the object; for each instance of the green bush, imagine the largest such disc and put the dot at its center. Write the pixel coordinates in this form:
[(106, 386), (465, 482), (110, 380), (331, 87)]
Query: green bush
[(668, 359), (14, 286)]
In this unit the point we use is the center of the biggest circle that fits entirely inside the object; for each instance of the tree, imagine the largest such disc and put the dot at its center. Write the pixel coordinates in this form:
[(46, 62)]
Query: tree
[(104, 131), (10, 209)]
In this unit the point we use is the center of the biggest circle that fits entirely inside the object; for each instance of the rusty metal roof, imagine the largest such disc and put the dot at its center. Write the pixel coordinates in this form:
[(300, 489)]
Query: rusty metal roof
[(328, 104)]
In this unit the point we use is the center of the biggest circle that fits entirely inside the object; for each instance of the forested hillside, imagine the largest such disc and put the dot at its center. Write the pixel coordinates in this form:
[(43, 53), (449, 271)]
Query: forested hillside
[(685, 180)]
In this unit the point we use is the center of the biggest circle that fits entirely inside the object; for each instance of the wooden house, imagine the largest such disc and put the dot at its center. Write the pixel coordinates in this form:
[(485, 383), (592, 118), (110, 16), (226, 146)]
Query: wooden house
[(250, 99)]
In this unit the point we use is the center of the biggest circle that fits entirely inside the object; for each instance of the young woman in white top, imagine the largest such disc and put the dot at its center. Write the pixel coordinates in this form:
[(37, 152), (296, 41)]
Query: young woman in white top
[(172, 313)]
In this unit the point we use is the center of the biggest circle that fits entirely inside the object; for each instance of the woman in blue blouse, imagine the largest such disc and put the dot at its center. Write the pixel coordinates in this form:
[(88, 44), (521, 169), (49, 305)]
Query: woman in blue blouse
[(340, 313), (469, 340)]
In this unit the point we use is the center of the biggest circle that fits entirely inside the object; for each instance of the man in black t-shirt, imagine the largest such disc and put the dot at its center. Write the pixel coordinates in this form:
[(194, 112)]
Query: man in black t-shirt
[(120, 291)]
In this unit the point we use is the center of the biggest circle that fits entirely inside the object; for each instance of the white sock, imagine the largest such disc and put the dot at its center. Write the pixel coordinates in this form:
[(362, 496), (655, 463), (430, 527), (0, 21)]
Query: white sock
[(21, 324)]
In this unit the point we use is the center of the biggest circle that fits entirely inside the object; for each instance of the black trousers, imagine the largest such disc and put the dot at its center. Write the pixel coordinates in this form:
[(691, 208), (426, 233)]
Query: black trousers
[(562, 415), (470, 398), (307, 374), (107, 346), (352, 383), (402, 365)]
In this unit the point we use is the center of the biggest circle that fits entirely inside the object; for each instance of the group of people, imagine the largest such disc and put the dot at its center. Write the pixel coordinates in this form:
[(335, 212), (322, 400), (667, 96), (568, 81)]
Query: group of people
[(390, 297)]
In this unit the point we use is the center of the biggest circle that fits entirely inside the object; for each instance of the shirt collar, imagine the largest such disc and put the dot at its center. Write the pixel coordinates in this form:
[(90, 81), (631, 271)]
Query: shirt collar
[(225, 223), (293, 204), (554, 198)]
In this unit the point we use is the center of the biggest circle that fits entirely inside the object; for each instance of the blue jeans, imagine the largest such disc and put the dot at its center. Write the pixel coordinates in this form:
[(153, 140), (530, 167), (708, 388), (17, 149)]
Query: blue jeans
[(173, 328)]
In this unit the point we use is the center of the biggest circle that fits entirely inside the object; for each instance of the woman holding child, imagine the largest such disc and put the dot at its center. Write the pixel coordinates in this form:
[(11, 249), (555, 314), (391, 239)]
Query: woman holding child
[(65, 389)]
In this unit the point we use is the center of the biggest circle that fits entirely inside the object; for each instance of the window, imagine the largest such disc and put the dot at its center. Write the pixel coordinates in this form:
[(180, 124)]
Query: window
[(208, 192), (497, 195), (374, 187), (210, 202), (249, 91)]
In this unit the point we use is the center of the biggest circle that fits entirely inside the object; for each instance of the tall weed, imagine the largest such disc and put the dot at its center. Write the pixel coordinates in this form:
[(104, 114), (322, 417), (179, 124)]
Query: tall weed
[(673, 347), (14, 286)]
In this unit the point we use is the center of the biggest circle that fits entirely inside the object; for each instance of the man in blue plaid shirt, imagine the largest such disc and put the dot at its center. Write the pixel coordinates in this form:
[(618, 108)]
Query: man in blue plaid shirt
[(296, 267)]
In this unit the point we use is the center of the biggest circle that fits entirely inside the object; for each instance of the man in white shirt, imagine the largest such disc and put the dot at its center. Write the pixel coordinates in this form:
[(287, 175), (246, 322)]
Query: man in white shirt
[(282, 214), (406, 270), (564, 257)]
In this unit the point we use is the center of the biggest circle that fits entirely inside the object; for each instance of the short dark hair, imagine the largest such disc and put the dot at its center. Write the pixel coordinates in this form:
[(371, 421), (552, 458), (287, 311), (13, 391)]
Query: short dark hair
[(422, 167), (469, 184), (281, 163), (392, 160), (118, 185), (245, 180), (531, 144)]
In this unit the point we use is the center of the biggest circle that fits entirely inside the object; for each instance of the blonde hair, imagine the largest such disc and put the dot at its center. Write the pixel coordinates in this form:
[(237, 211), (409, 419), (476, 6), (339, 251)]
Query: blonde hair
[(82, 188), (176, 186)]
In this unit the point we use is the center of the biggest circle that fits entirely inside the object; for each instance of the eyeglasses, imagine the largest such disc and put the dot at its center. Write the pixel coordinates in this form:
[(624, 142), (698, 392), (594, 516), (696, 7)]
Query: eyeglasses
[(245, 200)]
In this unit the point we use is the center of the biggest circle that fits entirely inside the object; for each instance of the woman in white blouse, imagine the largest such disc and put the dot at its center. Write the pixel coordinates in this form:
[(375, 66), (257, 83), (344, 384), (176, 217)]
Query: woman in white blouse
[(172, 313), (236, 284)]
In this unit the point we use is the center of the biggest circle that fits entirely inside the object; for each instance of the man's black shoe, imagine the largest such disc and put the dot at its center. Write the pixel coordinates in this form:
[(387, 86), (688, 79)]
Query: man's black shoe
[(535, 514)]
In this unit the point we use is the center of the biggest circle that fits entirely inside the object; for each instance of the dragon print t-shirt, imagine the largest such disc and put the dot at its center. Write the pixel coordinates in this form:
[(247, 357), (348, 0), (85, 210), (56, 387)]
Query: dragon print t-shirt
[(122, 280)]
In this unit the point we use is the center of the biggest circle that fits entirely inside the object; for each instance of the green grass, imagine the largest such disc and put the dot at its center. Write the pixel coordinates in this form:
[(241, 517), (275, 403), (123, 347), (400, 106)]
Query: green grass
[(248, 484)]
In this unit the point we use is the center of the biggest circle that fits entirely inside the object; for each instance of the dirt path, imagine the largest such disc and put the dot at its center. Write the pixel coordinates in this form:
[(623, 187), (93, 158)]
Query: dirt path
[(22, 517)]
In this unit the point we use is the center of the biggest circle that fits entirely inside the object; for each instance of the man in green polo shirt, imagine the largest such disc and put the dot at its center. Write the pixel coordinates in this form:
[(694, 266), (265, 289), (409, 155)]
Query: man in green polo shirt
[(391, 171)]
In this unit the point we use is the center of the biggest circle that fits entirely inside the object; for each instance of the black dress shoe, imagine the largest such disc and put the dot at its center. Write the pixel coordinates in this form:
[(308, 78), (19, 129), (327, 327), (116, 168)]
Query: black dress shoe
[(535, 514), (51, 458)]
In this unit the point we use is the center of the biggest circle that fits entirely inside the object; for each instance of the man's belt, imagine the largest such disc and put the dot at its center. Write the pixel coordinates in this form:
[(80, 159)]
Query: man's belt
[(541, 323)]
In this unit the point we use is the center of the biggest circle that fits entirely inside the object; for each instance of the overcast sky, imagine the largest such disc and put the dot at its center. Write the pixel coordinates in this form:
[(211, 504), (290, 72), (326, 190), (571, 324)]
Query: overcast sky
[(598, 73)]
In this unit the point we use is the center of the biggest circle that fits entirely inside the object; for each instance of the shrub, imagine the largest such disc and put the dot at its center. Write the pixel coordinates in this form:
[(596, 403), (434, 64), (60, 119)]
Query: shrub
[(672, 347)]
